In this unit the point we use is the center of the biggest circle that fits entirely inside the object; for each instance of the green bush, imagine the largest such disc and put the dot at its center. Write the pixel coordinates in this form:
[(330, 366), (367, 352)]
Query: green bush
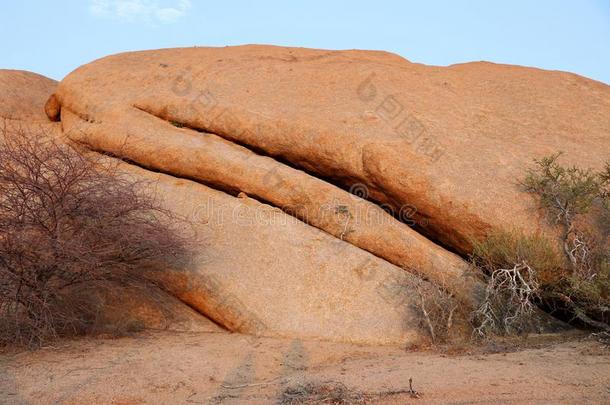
[(523, 269), (566, 192)]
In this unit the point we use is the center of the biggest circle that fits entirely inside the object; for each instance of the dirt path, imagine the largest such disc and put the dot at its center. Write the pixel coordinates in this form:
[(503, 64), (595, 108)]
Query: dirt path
[(209, 368)]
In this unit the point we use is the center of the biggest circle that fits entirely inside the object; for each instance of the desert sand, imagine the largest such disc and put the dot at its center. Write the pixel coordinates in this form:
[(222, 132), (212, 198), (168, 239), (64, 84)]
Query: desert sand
[(209, 368)]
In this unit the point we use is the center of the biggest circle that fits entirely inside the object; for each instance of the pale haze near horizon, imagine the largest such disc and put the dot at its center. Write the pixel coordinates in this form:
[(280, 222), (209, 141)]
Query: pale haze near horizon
[(54, 38)]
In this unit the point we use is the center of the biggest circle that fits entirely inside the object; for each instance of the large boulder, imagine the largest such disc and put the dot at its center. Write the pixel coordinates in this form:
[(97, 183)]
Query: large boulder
[(450, 142), (255, 269), (211, 160), (114, 119)]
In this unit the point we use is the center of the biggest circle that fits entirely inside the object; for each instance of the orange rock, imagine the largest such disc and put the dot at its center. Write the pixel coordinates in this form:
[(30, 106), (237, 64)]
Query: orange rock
[(450, 141), (207, 158), (24, 95), (257, 270)]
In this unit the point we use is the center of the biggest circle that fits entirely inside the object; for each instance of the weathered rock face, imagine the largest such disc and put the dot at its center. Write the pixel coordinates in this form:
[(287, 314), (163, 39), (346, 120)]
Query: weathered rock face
[(260, 271), (114, 123), (449, 141), (211, 160), (133, 309), (256, 269)]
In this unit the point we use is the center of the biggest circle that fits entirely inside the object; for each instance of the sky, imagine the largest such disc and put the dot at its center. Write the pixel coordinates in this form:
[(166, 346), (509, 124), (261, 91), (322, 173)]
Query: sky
[(55, 37)]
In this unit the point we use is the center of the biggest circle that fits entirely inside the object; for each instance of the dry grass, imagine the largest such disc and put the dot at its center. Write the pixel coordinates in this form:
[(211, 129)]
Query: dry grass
[(333, 392), (321, 393)]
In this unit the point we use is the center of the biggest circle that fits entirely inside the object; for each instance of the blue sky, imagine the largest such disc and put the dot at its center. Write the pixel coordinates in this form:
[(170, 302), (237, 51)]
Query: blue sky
[(55, 37)]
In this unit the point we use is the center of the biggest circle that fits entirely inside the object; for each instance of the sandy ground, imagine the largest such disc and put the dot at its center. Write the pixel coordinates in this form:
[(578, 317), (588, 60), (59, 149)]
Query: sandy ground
[(209, 368)]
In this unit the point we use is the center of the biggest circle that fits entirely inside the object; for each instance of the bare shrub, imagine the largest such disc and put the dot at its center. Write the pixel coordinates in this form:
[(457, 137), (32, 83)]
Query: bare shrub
[(70, 225), (507, 249), (514, 264), (437, 308), (509, 304)]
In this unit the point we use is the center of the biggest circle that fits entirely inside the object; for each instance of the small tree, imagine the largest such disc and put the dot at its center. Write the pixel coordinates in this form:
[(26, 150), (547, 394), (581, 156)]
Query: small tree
[(568, 193), (69, 225), (524, 270), (573, 197)]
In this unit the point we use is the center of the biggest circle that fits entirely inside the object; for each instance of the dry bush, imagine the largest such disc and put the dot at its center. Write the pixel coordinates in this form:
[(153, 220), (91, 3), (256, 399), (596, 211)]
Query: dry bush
[(70, 227), (514, 265), (509, 306), (507, 249), (567, 193), (586, 299), (438, 309)]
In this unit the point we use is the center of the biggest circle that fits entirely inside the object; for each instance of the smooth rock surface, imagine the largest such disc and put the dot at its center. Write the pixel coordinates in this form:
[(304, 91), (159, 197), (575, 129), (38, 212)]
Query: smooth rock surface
[(257, 270), (185, 153), (450, 141)]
